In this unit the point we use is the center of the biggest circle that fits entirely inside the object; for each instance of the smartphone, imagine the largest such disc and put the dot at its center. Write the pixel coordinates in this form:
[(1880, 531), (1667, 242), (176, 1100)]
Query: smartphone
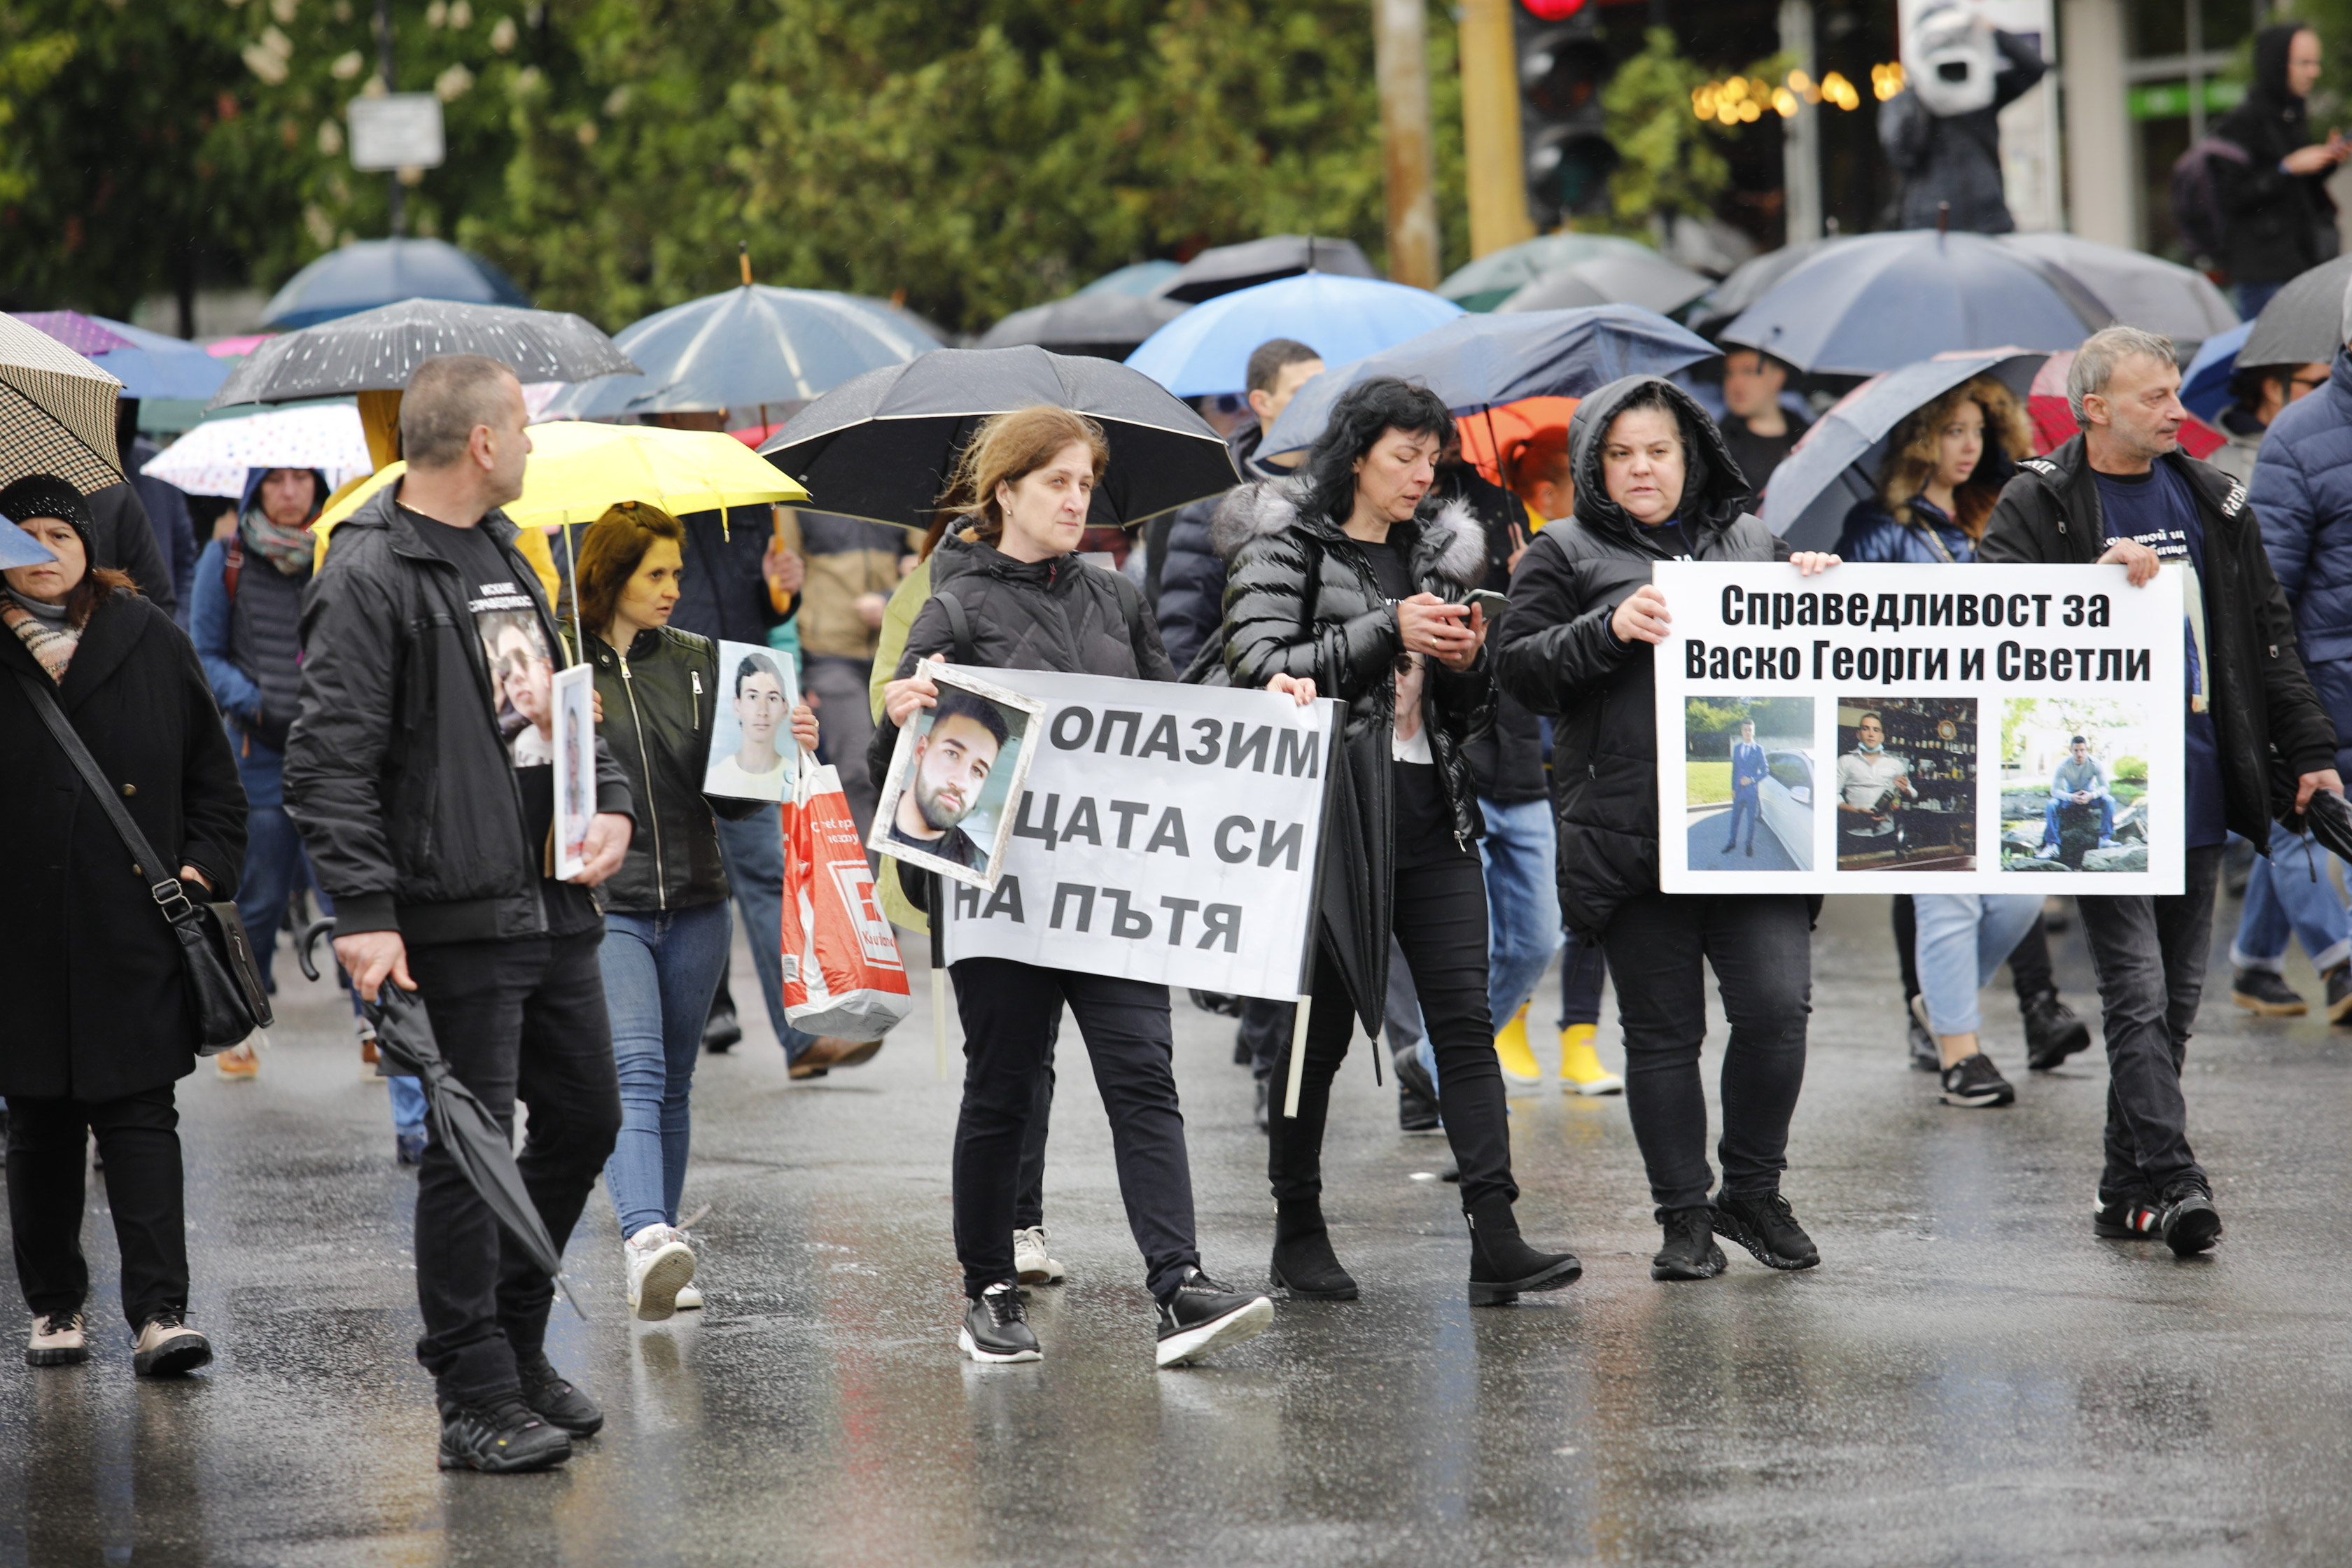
[(1493, 604)]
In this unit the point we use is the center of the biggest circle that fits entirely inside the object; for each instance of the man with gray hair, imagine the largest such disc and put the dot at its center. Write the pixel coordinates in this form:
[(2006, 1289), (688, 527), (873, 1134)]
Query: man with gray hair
[(419, 771), (2122, 493)]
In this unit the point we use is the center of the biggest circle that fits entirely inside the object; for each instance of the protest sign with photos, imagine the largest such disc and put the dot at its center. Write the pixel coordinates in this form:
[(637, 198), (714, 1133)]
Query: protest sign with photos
[(574, 692), (1909, 728), (958, 763), (752, 754), (1167, 833)]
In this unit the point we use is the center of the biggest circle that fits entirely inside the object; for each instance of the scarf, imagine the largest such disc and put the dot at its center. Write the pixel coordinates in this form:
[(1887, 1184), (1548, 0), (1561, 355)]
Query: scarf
[(291, 550), (43, 631)]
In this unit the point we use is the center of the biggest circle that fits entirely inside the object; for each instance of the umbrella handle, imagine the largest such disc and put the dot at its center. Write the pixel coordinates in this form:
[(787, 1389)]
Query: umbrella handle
[(306, 940)]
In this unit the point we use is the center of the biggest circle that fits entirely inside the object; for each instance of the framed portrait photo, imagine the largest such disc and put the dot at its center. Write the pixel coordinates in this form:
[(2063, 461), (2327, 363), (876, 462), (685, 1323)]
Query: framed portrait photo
[(955, 779)]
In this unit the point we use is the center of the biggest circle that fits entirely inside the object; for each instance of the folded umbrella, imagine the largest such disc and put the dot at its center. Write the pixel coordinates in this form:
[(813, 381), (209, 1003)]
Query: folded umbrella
[(1878, 302), (149, 364), (212, 457), (1206, 349), (2143, 291), (369, 273), (1652, 282), (1223, 269), (1495, 276), (2329, 820), (1474, 361), (1107, 326), (881, 446), (749, 346), (1835, 463), (56, 412), (2304, 323), (378, 349)]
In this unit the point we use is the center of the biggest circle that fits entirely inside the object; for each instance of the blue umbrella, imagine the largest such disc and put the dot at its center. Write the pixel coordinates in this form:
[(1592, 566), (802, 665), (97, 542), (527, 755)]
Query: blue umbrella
[(370, 272), (1206, 349), (1141, 278), (2205, 389), (1876, 301), (148, 364), (18, 548), (1835, 463), (1480, 361), (748, 347)]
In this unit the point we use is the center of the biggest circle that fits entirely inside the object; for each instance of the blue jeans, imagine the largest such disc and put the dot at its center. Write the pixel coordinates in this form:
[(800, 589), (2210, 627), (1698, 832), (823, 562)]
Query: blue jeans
[(754, 849), (2290, 893), (660, 971), (1522, 902), (2051, 824), (1963, 940)]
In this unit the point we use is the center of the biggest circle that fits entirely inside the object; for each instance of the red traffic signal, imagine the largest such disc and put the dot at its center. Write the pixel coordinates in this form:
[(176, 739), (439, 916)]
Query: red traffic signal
[(1552, 10)]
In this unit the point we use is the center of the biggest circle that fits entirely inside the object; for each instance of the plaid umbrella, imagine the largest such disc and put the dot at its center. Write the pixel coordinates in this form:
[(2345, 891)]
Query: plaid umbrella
[(56, 412)]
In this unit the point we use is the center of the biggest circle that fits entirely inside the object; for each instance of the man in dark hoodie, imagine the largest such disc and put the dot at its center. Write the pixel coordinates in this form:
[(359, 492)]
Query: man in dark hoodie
[(2277, 214), (1653, 483), (1942, 132), (2122, 493)]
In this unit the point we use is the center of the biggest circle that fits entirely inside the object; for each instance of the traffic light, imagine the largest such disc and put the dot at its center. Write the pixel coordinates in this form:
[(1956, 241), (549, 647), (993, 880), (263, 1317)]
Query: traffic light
[(1563, 64)]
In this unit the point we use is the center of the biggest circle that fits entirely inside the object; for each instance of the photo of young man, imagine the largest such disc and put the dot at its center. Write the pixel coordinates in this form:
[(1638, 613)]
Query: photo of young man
[(952, 761), (755, 770)]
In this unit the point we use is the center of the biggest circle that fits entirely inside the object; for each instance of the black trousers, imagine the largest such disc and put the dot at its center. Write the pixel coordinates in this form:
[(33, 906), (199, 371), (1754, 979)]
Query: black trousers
[(1011, 1013), (2150, 956), (1029, 1196), (517, 1020), (1761, 947), (2028, 960), (48, 1172), (1441, 925)]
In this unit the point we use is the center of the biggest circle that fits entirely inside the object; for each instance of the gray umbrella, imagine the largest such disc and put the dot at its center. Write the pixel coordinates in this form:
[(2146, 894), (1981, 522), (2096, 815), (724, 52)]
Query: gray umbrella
[(377, 350), (2143, 291), (1107, 325), (1652, 282), (2304, 323), (1226, 268)]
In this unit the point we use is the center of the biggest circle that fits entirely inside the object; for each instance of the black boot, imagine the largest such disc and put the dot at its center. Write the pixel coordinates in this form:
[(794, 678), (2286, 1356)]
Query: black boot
[(1502, 1265), (1304, 1263)]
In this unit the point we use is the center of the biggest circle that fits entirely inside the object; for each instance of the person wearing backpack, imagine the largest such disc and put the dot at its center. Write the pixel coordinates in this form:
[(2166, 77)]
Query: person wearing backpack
[(2278, 218)]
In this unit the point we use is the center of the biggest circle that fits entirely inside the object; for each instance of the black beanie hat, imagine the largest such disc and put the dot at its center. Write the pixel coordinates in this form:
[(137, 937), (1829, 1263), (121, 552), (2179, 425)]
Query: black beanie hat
[(45, 495)]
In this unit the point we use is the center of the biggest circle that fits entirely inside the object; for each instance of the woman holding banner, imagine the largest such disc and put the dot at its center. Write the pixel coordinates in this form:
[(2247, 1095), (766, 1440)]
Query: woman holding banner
[(666, 927), (1028, 601), (1653, 483), (1343, 582)]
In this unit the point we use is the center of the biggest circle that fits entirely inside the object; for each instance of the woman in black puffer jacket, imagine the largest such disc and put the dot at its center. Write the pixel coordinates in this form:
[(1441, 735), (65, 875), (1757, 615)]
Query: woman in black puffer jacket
[(1653, 483), (1339, 583)]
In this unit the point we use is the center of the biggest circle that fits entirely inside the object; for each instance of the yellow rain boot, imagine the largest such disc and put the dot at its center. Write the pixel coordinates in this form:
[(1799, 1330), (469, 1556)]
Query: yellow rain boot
[(1581, 1068), (1518, 1058)]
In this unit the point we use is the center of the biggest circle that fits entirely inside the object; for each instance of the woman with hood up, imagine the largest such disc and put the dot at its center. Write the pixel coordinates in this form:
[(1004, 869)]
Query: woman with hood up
[(1653, 483), (1342, 581), (2280, 219)]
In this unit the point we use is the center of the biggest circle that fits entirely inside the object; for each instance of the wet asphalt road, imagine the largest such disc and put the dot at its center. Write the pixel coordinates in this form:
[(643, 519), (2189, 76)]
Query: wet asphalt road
[(1969, 1378)]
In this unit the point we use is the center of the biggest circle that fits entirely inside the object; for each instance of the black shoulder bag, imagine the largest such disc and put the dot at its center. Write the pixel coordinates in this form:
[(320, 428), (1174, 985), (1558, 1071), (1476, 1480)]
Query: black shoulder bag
[(227, 1000)]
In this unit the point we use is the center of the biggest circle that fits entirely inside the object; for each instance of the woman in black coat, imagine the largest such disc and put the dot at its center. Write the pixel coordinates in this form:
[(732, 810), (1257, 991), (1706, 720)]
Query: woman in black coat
[(1339, 583), (2280, 219), (98, 1028)]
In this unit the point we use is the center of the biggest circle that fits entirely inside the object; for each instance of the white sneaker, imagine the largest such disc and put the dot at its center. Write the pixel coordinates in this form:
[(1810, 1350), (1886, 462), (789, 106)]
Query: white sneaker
[(690, 1299), (660, 1266), (1031, 1263)]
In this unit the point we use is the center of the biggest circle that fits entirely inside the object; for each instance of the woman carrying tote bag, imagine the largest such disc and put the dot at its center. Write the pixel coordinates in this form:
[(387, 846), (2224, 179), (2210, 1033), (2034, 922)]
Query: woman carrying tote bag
[(101, 1023)]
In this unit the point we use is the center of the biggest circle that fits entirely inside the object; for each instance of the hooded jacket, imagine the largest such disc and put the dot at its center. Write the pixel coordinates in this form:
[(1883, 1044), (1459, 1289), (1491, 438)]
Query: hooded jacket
[(2271, 726), (1191, 574), (1301, 599), (1558, 655), (247, 631), (1956, 159), (2279, 223)]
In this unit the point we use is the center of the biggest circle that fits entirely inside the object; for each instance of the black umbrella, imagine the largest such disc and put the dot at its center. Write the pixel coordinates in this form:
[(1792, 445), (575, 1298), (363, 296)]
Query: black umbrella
[(880, 446), (2304, 323), (2329, 820), (461, 1123), (1225, 268), (376, 350), (1107, 326)]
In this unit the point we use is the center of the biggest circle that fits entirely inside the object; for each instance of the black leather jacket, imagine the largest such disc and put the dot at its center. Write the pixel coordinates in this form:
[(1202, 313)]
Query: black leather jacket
[(659, 704)]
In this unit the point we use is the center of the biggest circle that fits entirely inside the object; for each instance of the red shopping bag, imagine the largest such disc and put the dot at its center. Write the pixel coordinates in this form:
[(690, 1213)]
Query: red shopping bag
[(843, 974)]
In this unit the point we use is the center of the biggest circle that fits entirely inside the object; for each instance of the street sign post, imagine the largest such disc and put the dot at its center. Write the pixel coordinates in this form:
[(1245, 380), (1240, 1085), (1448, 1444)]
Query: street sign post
[(396, 131)]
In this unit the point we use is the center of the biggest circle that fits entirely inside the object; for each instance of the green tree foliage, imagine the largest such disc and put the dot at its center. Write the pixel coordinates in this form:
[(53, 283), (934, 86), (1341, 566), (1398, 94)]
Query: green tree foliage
[(1669, 160), (978, 155)]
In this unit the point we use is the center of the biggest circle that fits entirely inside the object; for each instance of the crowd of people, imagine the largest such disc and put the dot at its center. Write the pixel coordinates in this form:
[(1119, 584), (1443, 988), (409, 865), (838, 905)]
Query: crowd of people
[(369, 720)]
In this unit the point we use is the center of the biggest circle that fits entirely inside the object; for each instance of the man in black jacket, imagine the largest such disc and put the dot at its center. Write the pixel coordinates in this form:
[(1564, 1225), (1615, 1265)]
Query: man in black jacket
[(2122, 493), (418, 774)]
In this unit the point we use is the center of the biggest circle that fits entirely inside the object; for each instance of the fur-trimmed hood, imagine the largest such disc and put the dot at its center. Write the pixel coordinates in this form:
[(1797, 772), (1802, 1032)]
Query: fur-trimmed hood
[(1268, 507)]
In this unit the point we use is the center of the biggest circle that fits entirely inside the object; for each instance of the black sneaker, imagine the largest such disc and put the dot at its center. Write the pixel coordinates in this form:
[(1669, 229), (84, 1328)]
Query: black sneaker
[(996, 1327), (2134, 1217), (2052, 1032), (1416, 1095), (2264, 993), (1974, 1082), (1925, 1055), (1766, 1226), (1202, 1315), (2191, 1223), (2339, 993), (1265, 1114), (553, 1397), (499, 1436), (722, 1033), (1690, 1252)]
